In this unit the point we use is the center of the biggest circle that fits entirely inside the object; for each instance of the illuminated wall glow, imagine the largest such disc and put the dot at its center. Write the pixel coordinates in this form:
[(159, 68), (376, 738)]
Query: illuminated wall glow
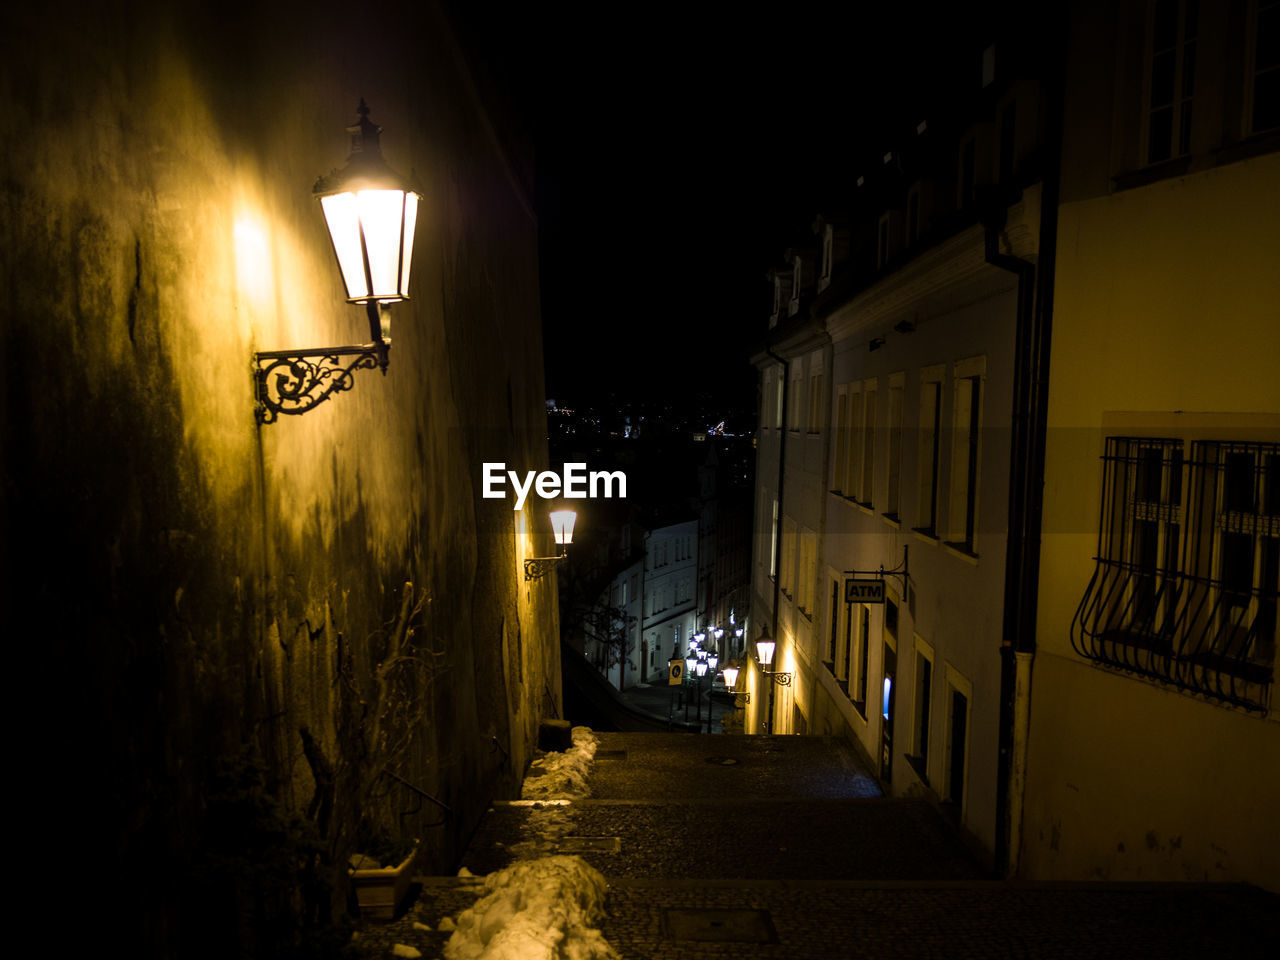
[(254, 275)]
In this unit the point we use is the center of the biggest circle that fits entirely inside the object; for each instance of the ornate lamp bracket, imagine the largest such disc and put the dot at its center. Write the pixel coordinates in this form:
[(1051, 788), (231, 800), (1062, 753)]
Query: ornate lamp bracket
[(295, 381), (781, 678), (535, 568)]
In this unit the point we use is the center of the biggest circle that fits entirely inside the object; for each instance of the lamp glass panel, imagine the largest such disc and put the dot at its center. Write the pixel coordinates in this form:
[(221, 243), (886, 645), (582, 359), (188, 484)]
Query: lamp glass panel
[(381, 217), (343, 218), (701, 667), (406, 256), (689, 665), (765, 649), (562, 522), (730, 677)]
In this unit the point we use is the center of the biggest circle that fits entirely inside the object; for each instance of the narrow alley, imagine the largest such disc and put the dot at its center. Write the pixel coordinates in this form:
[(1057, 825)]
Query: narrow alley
[(746, 847)]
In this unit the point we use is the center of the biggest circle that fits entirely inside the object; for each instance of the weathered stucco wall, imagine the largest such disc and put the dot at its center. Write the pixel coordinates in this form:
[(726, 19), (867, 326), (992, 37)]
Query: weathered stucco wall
[(206, 588)]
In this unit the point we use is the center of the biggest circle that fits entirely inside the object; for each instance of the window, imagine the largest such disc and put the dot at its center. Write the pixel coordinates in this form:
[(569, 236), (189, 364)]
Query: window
[(867, 484), (864, 642), (773, 542), (893, 467), (922, 705), (787, 575), (828, 251), (777, 402), (842, 425), (965, 449), (1186, 582), (794, 415), (959, 693), (833, 624), (853, 443), (1171, 70), (930, 435), (808, 558), (766, 408), (815, 402), (797, 285), (1264, 63)]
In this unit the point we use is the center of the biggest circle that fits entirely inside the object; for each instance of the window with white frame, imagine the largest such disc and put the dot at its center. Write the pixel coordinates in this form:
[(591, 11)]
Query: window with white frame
[(1170, 77), (853, 443), (966, 447), (929, 459), (815, 401), (773, 541), (893, 458), (866, 486), (795, 415), (1263, 95), (805, 585), (842, 426), (786, 576), (1187, 578), (922, 707), (828, 255)]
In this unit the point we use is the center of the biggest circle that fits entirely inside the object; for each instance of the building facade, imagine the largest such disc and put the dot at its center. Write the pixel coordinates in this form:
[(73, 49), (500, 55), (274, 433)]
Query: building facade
[(1042, 478), (1153, 738)]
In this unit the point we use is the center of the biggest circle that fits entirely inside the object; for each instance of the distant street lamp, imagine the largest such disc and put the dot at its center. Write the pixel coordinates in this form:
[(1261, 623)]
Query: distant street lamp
[(371, 214), (562, 522)]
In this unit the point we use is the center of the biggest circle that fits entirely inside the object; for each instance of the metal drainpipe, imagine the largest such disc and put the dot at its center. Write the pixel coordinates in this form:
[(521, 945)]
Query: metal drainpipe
[(777, 529), (1026, 493)]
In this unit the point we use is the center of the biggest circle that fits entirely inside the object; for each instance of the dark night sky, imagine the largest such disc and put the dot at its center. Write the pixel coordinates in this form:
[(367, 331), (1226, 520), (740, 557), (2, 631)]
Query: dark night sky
[(679, 151)]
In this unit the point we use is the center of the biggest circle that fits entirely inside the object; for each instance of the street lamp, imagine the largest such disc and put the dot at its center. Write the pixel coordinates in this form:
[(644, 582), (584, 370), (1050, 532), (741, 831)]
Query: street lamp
[(371, 214), (562, 522), (765, 647), (731, 681)]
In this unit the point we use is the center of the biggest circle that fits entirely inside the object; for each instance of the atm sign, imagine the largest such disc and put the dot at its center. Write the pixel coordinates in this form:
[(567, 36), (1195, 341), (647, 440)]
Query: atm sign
[(864, 591)]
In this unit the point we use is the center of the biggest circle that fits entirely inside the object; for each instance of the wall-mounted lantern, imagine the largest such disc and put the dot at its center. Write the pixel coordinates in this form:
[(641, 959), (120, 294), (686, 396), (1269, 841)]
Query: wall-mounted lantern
[(731, 682), (764, 653), (371, 214), (562, 522)]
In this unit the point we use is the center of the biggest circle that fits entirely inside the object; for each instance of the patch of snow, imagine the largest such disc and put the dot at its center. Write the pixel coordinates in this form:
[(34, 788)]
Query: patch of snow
[(404, 950), (447, 924), (543, 909), (562, 775)]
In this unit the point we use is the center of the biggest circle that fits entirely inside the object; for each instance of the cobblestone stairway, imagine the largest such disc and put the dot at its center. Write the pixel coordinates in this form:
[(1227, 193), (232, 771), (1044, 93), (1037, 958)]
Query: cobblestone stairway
[(783, 847)]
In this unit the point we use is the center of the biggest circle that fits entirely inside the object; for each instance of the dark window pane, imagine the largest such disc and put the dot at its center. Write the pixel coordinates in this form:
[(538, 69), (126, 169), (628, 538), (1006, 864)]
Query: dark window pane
[(1189, 23), (1163, 68), (1160, 135), (1266, 49), (1237, 567), (1165, 29), (1271, 486), (1184, 129), (1189, 70), (1149, 471), (1266, 101), (1175, 476), (1238, 486)]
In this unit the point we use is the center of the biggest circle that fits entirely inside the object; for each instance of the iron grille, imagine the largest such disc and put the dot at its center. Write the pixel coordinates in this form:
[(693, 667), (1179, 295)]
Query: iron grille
[(1185, 585)]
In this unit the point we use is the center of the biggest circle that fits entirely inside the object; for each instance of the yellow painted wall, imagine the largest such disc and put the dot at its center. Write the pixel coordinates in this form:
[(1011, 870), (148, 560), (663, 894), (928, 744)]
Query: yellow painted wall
[(206, 588), (1167, 299)]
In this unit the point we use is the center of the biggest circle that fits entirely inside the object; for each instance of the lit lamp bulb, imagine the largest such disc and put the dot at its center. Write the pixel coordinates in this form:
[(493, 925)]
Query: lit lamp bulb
[(764, 650), (562, 522)]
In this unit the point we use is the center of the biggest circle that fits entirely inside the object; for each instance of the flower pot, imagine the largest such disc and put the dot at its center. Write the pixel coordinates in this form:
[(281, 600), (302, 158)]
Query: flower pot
[(379, 890)]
